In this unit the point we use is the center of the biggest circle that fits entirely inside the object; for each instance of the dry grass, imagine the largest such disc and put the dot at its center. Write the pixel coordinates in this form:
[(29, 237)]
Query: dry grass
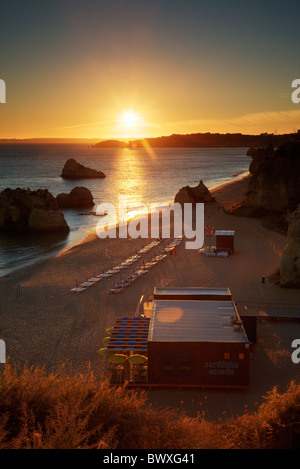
[(52, 411)]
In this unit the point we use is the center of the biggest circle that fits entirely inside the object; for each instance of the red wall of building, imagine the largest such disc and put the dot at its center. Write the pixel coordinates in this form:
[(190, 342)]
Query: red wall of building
[(225, 242), (193, 363)]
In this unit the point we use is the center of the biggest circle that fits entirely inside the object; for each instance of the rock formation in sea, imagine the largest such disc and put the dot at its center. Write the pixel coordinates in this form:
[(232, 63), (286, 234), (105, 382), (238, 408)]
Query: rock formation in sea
[(198, 194), (79, 197), (74, 170), (290, 259), (23, 210)]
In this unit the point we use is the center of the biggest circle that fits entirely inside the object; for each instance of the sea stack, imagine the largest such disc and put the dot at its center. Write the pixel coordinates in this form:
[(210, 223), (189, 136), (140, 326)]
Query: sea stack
[(193, 195), (79, 197), (26, 211), (74, 170)]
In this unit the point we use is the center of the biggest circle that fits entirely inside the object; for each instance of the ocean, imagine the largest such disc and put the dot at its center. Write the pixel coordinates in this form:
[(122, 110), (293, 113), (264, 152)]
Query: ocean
[(143, 176)]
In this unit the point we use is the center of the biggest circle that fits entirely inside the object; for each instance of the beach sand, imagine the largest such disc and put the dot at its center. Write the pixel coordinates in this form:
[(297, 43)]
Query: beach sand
[(46, 324)]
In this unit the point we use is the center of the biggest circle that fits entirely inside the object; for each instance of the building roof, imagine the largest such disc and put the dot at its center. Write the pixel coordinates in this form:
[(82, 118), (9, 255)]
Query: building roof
[(224, 233), (190, 293), (195, 321)]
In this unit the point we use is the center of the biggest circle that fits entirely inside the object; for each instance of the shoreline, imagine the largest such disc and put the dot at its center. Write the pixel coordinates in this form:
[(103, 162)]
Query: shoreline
[(245, 176), (91, 235)]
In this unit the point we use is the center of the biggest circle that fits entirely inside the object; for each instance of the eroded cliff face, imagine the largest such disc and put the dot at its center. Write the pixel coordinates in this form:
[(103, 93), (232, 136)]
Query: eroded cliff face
[(26, 211), (275, 182), (274, 193), (274, 187), (290, 259)]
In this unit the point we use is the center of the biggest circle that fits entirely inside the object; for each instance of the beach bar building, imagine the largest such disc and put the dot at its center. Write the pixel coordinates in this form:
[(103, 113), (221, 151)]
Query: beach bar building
[(225, 241), (194, 338)]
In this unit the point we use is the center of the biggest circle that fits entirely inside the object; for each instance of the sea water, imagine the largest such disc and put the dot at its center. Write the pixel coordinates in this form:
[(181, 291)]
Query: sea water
[(144, 177)]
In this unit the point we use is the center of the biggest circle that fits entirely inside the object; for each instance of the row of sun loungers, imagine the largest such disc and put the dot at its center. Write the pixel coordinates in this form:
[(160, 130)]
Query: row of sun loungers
[(133, 276), (150, 246), (173, 244), (119, 287), (114, 270), (105, 274)]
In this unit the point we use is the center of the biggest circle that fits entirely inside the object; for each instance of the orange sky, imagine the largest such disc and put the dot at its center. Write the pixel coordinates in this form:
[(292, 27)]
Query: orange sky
[(72, 69)]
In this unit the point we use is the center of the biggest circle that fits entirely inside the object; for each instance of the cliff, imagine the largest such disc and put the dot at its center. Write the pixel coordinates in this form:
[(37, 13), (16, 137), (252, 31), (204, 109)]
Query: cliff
[(273, 194), (273, 190), (274, 185), (290, 259)]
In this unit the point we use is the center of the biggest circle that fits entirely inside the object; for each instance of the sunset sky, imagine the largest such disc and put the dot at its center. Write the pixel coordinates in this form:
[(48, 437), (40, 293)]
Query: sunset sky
[(133, 68)]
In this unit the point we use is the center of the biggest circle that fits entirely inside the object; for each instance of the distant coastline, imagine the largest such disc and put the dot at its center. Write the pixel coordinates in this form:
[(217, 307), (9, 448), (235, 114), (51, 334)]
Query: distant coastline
[(195, 140), (205, 140)]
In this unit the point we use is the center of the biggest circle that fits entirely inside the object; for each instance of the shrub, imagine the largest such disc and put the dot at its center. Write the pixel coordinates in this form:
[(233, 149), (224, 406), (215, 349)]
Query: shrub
[(65, 411)]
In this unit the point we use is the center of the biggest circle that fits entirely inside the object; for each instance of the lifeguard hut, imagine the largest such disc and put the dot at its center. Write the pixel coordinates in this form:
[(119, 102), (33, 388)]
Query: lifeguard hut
[(224, 241)]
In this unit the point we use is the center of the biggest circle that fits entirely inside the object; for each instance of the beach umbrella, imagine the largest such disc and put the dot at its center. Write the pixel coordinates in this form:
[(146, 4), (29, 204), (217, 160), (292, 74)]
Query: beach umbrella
[(137, 359), (117, 358), (102, 351), (105, 340)]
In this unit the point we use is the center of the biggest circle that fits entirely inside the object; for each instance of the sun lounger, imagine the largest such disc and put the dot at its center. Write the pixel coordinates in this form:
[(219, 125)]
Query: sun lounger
[(222, 254), (150, 264), (133, 276), (115, 290), (87, 284), (78, 289), (141, 271)]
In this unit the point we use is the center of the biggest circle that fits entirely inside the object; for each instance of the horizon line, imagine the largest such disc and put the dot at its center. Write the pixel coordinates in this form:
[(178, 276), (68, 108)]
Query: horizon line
[(122, 139)]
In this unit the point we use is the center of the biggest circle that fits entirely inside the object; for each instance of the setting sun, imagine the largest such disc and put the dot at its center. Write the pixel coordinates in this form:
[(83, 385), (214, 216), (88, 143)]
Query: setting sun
[(129, 118)]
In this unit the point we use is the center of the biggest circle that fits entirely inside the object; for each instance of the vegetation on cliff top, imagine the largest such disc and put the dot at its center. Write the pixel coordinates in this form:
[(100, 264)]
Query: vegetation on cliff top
[(63, 411)]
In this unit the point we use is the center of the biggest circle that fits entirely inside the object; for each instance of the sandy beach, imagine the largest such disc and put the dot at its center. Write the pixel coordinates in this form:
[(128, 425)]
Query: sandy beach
[(47, 324)]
